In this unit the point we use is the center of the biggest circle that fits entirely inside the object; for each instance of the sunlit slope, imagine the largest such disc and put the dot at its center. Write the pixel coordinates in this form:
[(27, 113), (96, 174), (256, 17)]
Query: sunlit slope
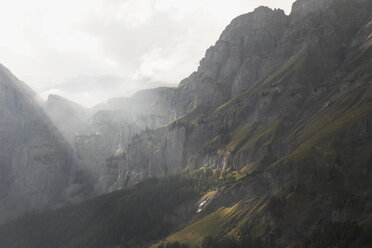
[(324, 170)]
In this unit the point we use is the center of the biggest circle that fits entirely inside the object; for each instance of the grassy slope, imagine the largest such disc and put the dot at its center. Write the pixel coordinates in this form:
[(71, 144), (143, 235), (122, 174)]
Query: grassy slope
[(125, 218), (133, 217), (321, 134)]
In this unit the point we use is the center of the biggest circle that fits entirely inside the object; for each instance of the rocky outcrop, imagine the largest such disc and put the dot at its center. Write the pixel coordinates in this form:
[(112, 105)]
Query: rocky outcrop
[(303, 8), (302, 60), (108, 128), (36, 163), (301, 131), (282, 102), (266, 73), (238, 59)]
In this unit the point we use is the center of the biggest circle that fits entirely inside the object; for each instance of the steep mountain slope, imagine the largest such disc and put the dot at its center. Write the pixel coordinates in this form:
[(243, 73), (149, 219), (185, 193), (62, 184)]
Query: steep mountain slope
[(300, 54), (259, 127), (36, 163), (108, 128), (274, 129), (303, 132), (148, 211), (122, 218)]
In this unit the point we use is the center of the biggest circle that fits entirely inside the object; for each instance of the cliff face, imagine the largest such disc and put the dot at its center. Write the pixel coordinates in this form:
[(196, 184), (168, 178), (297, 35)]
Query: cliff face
[(238, 59), (36, 163), (295, 82), (267, 75), (294, 114), (281, 105), (108, 128)]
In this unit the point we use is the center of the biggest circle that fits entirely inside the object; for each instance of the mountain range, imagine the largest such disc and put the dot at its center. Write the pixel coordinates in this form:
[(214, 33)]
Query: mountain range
[(267, 144)]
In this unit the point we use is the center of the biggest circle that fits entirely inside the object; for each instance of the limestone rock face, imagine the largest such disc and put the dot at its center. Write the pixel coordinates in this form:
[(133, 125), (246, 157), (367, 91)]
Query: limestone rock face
[(267, 72), (106, 129), (36, 163), (285, 100), (277, 71), (239, 58), (295, 115), (303, 8)]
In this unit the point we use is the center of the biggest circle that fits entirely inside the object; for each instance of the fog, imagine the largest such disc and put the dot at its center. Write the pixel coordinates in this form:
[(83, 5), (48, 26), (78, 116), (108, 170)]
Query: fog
[(92, 50)]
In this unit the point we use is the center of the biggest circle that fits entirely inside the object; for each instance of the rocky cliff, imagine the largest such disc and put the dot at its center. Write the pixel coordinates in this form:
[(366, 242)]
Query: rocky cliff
[(301, 130), (267, 73), (275, 72), (300, 127), (275, 127), (36, 163), (106, 129)]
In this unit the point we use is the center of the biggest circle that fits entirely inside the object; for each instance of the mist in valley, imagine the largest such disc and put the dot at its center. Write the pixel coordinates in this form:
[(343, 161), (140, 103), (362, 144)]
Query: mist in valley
[(198, 124)]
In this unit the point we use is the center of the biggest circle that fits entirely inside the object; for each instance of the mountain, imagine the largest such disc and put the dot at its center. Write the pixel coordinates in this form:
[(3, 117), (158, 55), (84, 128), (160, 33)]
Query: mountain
[(301, 130), (303, 73), (70, 118), (106, 129), (36, 163), (267, 144)]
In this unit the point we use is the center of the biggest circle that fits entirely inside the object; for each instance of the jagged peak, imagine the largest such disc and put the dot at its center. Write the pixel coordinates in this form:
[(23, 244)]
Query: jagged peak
[(257, 17), (10, 81), (305, 7), (6, 76), (55, 99), (259, 11)]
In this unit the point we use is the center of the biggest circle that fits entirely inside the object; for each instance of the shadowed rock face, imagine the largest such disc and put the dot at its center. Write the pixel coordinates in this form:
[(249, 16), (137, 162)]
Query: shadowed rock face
[(284, 100), (280, 72), (243, 54), (277, 71), (292, 109), (108, 128), (36, 163), (237, 60)]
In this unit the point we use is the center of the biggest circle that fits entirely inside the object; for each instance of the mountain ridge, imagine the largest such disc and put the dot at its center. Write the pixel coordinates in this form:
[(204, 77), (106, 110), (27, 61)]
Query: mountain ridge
[(274, 131), (37, 164), (317, 57)]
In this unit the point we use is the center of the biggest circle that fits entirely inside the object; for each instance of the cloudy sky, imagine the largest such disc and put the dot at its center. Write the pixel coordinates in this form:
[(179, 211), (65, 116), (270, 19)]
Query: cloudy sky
[(91, 50)]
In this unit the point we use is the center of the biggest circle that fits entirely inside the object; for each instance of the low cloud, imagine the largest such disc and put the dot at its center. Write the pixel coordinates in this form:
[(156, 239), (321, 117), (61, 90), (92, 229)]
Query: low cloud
[(89, 90), (120, 45)]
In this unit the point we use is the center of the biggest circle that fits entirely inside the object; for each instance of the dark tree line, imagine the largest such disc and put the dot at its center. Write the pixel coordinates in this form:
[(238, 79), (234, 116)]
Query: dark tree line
[(132, 217)]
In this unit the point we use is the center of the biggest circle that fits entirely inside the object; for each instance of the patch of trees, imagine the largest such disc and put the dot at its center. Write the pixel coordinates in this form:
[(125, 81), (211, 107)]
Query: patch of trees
[(133, 217), (127, 218)]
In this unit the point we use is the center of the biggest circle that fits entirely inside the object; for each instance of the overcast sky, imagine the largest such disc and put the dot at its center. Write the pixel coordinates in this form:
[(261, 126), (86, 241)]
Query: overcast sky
[(91, 50)]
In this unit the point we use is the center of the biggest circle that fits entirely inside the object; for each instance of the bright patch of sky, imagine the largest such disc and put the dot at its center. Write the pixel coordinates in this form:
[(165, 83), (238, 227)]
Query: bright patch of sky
[(92, 50)]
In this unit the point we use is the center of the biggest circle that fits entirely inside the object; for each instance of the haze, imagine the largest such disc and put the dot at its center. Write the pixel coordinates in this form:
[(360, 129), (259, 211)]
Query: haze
[(92, 50)]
